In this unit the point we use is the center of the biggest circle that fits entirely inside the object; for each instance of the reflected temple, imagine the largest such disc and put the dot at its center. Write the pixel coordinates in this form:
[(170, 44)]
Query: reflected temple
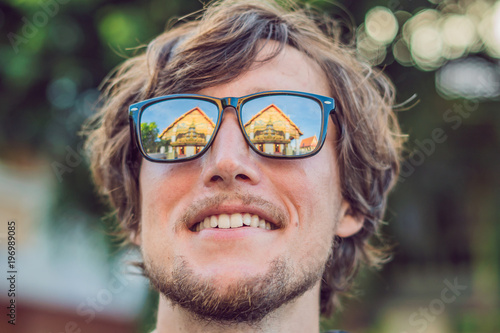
[(270, 130)]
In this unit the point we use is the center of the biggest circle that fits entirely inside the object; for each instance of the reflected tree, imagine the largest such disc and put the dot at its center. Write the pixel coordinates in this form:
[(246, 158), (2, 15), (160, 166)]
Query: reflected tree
[(149, 136)]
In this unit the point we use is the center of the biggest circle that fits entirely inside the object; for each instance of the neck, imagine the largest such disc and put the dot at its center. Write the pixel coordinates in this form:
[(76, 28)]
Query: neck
[(298, 316)]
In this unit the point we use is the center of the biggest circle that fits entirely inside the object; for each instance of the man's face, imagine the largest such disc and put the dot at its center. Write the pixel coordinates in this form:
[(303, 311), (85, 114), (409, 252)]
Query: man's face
[(300, 198)]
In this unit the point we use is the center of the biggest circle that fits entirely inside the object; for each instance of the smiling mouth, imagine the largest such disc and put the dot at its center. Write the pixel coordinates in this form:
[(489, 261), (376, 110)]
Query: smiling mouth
[(232, 221)]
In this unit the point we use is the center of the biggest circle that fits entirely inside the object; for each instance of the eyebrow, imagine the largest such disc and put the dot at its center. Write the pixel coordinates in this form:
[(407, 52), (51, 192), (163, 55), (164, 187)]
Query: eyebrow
[(258, 90)]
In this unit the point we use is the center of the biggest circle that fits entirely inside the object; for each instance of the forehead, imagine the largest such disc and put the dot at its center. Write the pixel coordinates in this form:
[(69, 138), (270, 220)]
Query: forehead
[(288, 70)]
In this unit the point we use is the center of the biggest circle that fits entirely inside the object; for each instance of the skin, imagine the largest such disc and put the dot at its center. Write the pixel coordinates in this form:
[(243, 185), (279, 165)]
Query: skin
[(306, 192)]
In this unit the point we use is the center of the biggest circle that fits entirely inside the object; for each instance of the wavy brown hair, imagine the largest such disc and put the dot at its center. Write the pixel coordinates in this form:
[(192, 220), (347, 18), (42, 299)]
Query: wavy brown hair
[(216, 48)]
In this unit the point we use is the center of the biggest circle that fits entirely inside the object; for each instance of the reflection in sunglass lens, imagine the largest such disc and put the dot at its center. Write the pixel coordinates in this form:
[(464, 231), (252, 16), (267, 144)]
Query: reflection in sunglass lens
[(285, 125), (177, 128)]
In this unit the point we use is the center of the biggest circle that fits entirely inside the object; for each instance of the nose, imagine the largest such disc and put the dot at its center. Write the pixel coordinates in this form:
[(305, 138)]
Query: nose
[(229, 161)]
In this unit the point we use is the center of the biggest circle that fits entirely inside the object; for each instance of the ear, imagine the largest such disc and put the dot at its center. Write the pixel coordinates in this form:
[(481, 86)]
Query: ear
[(350, 222)]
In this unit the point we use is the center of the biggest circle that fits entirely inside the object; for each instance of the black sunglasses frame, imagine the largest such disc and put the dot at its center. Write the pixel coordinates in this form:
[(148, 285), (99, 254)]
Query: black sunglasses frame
[(327, 105)]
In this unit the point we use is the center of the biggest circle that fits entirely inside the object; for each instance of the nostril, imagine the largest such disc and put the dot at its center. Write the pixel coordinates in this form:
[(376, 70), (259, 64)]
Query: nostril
[(216, 178), (239, 176), (242, 177)]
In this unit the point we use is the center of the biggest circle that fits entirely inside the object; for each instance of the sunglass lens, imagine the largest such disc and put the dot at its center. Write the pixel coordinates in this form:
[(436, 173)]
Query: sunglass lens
[(283, 125), (177, 128)]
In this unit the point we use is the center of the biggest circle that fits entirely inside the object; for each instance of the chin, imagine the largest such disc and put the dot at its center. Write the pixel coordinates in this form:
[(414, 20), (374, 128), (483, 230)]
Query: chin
[(228, 274), (227, 295)]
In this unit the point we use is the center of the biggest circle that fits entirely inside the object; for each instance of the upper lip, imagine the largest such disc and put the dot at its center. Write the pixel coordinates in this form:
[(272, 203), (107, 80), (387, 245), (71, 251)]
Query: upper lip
[(233, 209)]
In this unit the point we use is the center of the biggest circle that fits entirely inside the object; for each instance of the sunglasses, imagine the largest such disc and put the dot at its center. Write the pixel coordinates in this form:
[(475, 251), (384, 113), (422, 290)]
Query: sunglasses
[(277, 124)]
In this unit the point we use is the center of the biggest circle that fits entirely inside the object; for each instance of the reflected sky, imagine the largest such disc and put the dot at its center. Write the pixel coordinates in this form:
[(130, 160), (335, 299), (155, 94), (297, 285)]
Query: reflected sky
[(164, 114)]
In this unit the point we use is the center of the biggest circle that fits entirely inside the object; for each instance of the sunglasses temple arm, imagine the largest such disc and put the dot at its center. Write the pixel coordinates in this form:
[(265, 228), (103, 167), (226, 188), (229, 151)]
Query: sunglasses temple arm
[(336, 121), (133, 151)]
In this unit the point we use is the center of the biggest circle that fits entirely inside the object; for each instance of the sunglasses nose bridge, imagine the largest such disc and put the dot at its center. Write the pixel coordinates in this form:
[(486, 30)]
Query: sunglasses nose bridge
[(229, 101), (232, 102)]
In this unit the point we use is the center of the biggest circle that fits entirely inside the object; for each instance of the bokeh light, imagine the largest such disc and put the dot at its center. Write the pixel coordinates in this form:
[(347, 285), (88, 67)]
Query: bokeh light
[(62, 93), (473, 78), (426, 45), (402, 53), (459, 34), (489, 30), (116, 26), (424, 38), (381, 25), (430, 37), (368, 48)]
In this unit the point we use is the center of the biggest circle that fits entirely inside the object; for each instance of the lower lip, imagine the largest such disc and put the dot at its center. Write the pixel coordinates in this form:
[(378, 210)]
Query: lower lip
[(231, 233)]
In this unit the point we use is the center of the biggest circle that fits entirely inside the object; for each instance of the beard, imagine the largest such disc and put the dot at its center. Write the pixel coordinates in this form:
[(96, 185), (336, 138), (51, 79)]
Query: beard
[(247, 301)]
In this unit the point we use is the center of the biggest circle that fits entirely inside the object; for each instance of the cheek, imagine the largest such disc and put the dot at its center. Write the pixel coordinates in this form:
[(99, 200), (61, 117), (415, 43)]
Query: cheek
[(324, 198), (310, 190), (162, 187), (318, 189), (323, 202), (155, 193)]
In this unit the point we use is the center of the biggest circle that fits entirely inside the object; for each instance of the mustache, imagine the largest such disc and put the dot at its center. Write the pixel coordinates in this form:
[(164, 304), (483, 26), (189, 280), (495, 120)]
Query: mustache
[(277, 214)]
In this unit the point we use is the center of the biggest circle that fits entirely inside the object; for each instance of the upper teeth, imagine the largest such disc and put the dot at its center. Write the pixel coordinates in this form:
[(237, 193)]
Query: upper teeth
[(226, 221)]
